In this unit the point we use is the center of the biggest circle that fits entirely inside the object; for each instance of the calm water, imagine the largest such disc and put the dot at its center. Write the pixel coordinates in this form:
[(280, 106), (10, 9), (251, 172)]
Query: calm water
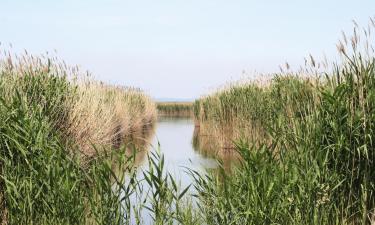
[(173, 137)]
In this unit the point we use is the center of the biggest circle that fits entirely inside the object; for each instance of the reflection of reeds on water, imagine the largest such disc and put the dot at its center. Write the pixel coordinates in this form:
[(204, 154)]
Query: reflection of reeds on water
[(173, 118), (210, 145), (138, 143), (136, 147)]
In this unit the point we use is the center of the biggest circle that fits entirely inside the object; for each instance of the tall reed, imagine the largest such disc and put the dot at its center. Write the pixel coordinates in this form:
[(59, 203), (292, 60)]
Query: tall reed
[(306, 145), (179, 109), (86, 112), (52, 122)]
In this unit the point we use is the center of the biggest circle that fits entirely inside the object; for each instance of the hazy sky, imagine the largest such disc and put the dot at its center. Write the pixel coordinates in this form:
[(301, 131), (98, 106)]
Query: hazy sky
[(179, 48)]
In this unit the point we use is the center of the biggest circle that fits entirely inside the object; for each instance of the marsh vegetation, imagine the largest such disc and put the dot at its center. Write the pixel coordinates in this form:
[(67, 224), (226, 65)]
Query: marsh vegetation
[(57, 132), (175, 109), (306, 144), (303, 143)]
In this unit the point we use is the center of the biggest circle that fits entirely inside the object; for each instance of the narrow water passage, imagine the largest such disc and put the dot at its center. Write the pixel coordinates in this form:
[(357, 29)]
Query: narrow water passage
[(173, 138)]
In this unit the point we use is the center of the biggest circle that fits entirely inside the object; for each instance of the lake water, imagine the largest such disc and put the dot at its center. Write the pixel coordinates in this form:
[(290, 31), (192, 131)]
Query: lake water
[(173, 138)]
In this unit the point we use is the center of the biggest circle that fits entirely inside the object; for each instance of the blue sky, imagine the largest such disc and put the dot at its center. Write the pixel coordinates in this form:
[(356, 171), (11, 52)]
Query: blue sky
[(176, 48)]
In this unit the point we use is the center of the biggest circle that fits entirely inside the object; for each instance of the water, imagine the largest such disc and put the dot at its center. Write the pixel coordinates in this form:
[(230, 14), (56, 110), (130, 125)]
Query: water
[(173, 138)]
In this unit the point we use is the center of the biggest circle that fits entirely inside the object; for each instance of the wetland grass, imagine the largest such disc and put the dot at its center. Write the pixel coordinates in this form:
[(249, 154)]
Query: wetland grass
[(86, 112), (306, 145), (175, 109), (57, 138)]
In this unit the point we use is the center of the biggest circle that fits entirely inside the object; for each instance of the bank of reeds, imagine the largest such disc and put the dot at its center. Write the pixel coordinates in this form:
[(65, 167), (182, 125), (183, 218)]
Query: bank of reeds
[(175, 109), (85, 112), (60, 135), (306, 144)]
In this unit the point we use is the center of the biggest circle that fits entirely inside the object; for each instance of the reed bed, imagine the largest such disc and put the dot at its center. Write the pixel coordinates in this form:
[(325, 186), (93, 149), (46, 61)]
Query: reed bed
[(175, 109), (306, 145), (85, 111), (110, 115), (69, 148), (60, 134)]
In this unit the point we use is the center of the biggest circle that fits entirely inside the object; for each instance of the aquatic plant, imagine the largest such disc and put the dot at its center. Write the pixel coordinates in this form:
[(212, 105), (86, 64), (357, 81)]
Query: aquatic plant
[(313, 160), (59, 137), (180, 109), (83, 110)]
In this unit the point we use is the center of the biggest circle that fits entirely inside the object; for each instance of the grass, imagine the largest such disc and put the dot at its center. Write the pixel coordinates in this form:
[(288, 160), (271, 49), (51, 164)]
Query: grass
[(86, 112), (69, 148), (248, 110), (176, 109), (60, 135), (306, 146)]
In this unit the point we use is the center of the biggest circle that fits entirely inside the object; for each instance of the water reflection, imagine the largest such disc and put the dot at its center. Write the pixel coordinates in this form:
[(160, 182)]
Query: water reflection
[(172, 136), (138, 144), (209, 146), (175, 135), (182, 146)]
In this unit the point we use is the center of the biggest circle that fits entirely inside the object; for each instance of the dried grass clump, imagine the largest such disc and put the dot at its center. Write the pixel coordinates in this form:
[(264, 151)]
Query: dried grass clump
[(105, 115), (86, 112), (175, 109)]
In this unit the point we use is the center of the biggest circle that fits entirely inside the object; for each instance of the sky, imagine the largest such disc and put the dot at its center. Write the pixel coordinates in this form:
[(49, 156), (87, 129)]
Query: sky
[(179, 48)]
